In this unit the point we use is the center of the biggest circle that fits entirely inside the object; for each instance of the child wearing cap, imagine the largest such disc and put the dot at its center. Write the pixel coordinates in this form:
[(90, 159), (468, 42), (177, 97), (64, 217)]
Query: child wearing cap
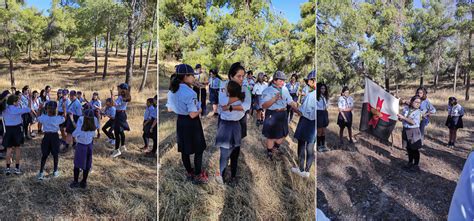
[(153, 129), (84, 134), (257, 92), (306, 130), (454, 121), (120, 123), (50, 143), (322, 97), (275, 99), (147, 121), (344, 119), (96, 105), (293, 87), (13, 138), (190, 135), (108, 127), (74, 111), (234, 102)]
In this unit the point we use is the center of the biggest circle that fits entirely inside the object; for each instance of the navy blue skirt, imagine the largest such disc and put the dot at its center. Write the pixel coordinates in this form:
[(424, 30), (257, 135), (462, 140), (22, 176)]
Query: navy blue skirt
[(190, 136), (322, 118), (229, 134), (256, 102), (275, 125), (306, 130), (341, 122), (454, 122), (214, 95), (69, 125), (121, 121), (14, 136)]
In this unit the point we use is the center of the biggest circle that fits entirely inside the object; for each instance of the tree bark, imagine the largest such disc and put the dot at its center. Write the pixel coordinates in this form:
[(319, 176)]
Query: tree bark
[(147, 62), (141, 55), (50, 53), (156, 55), (116, 48), (437, 67), (95, 55), (470, 69), (12, 76), (29, 51), (130, 43), (106, 55), (421, 78), (456, 74)]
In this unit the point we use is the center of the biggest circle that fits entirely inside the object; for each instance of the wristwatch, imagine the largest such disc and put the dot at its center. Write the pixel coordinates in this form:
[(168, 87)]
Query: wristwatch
[(230, 108)]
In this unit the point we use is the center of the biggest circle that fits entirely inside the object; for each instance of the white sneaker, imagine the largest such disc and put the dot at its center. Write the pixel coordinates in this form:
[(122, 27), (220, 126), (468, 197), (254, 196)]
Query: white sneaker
[(17, 171), (295, 170), (305, 174), (56, 174), (116, 153), (40, 176), (219, 179), (124, 148)]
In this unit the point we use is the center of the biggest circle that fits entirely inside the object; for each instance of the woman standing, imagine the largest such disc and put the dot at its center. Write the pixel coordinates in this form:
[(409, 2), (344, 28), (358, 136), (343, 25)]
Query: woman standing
[(190, 135), (344, 119), (322, 115), (293, 87), (214, 86), (411, 134), (120, 122)]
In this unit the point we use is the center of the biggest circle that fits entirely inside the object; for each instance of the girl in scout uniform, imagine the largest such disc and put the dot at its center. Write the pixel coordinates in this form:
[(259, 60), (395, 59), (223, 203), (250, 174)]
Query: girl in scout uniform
[(153, 134), (74, 111), (274, 99), (27, 118), (426, 108), (322, 115), (411, 134), (14, 137), (215, 84), (344, 119), (63, 101), (257, 93), (108, 127), (306, 130), (454, 121), (190, 135), (120, 122), (50, 142), (234, 101), (147, 121), (249, 82), (293, 87)]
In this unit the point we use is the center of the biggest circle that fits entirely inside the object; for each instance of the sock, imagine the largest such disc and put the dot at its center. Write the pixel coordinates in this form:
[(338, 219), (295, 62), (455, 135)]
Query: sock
[(8, 165), (17, 166), (318, 139), (323, 140), (76, 174), (85, 175)]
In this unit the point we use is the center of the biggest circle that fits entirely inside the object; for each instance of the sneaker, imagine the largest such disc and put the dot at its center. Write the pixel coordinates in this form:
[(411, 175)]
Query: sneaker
[(219, 179), (8, 171), (74, 184), (40, 176), (305, 174), (296, 170), (190, 176), (201, 179), (55, 173), (322, 149), (123, 147), (83, 185), (116, 153), (17, 171)]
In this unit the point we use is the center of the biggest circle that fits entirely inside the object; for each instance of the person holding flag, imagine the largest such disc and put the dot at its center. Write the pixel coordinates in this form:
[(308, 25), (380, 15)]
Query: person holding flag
[(411, 134)]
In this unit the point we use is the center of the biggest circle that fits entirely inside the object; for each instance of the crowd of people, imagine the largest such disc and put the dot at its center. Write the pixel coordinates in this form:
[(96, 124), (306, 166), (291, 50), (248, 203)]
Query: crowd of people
[(273, 101), (69, 121), (415, 116)]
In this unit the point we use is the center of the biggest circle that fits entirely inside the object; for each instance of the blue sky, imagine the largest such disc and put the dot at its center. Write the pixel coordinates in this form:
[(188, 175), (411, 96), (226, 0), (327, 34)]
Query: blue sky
[(42, 5)]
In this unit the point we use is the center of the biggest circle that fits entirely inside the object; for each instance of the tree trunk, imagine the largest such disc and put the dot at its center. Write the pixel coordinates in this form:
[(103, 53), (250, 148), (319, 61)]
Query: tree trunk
[(421, 78), (106, 55), (95, 55), (130, 44), (111, 47), (437, 68), (50, 53), (456, 75), (387, 79), (464, 74), (12, 76), (116, 48), (156, 55), (141, 55), (470, 69), (147, 62), (134, 52), (29, 51)]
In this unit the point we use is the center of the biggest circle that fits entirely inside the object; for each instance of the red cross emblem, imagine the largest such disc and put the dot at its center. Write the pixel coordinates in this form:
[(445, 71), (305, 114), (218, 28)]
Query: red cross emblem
[(377, 114)]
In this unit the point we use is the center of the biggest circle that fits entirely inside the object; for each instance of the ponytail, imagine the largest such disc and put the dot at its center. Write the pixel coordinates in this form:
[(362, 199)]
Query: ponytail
[(174, 85)]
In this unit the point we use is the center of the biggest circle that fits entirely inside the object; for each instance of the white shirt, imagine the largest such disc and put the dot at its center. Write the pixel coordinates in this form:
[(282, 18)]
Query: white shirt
[(322, 103), (345, 102), (84, 137), (224, 98), (271, 91), (462, 204), (259, 88), (234, 115), (308, 108), (415, 115), (456, 111)]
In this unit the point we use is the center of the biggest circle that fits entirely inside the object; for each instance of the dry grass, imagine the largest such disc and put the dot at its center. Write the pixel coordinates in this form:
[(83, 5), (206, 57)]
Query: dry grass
[(123, 188), (266, 190)]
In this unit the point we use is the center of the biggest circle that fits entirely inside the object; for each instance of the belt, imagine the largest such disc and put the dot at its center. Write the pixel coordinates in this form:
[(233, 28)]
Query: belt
[(120, 110), (279, 110)]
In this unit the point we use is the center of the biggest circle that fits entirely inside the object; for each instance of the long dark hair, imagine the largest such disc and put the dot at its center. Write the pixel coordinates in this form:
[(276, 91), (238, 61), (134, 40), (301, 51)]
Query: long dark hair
[(43, 95), (216, 73), (344, 89), (235, 90), (234, 68), (318, 91), (88, 124), (425, 92), (452, 101), (126, 96), (178, 79), (260, 79)]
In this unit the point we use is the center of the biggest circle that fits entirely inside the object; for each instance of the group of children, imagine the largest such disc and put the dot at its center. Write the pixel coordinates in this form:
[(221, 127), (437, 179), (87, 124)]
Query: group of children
[(232, 100), (75, 118), (415, 116)]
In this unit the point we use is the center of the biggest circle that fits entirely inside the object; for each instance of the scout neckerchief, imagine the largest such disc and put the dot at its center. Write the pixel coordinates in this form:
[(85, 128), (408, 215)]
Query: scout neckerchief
[(410, 111)]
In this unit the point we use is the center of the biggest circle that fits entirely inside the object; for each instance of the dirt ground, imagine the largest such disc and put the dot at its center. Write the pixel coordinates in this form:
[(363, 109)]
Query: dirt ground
[(266, 190), (365, 180), (123, 188)]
